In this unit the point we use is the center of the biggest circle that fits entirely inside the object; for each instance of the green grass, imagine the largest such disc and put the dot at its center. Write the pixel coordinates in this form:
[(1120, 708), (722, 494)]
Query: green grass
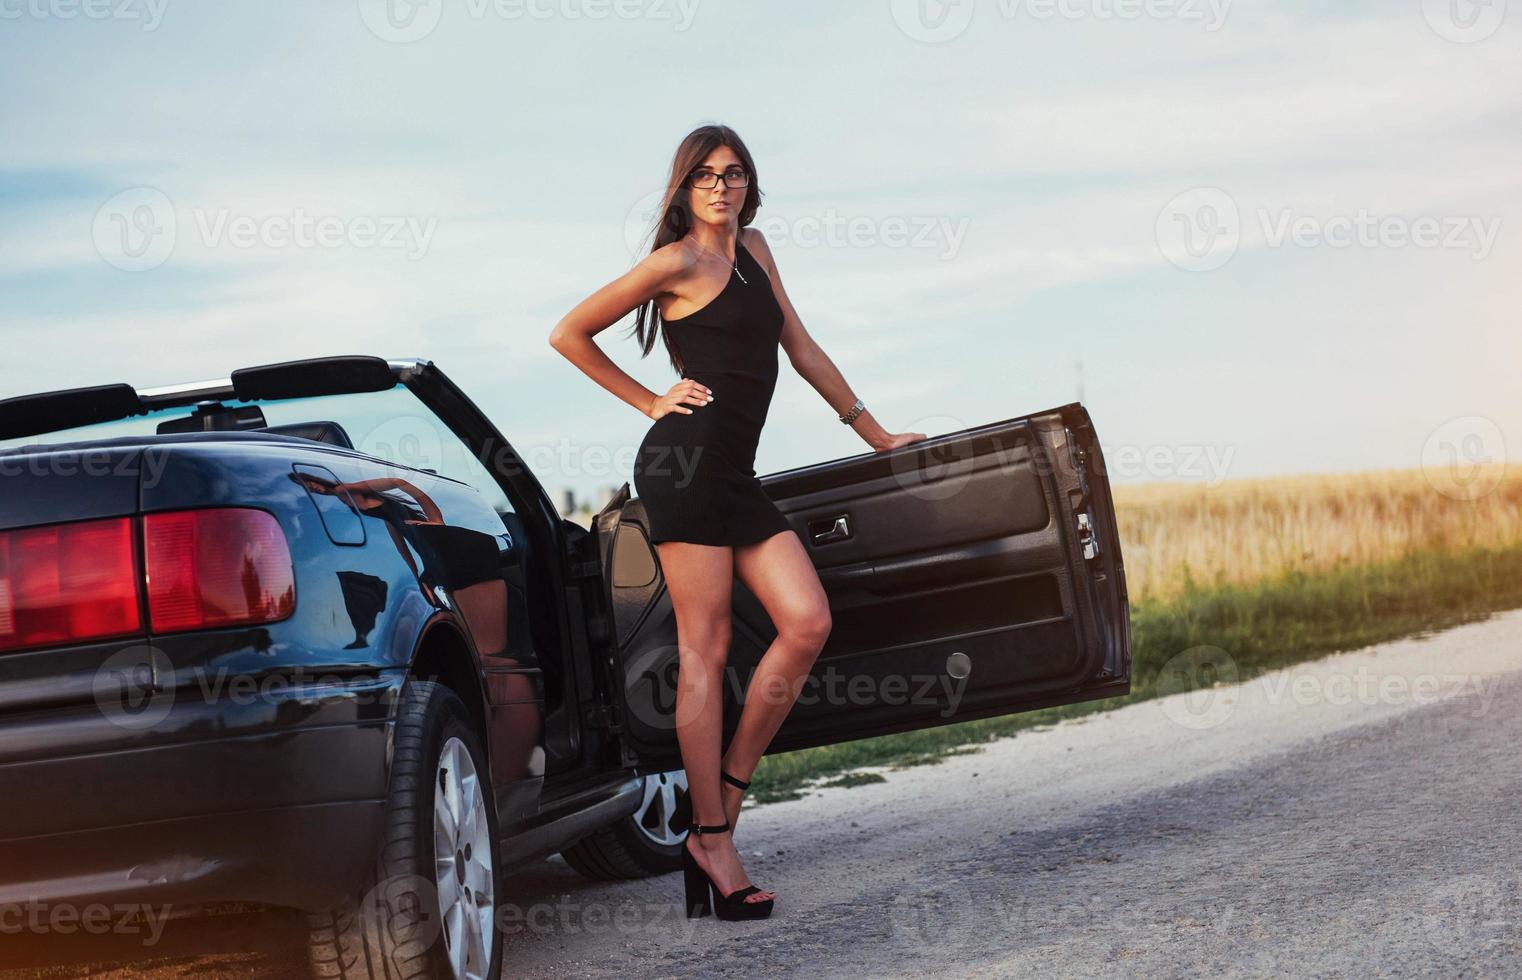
[(1262, 627)]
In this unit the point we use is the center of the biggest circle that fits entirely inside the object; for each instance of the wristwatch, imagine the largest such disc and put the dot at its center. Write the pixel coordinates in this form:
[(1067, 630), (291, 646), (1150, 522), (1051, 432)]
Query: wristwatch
[(856, 410)]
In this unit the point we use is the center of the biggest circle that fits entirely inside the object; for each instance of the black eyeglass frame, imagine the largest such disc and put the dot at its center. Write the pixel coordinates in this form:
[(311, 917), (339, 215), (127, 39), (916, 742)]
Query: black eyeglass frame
[(696, 175)]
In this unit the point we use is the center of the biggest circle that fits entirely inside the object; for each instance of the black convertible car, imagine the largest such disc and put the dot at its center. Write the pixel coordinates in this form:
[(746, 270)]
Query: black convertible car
[(314, 636)]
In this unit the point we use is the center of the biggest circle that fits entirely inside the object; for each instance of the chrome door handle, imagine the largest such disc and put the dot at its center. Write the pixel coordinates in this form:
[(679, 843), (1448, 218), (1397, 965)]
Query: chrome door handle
[(839, 530)]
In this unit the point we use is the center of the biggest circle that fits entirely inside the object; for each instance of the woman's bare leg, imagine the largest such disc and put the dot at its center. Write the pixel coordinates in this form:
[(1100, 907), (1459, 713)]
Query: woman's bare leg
[(701, 581), (782, 577)]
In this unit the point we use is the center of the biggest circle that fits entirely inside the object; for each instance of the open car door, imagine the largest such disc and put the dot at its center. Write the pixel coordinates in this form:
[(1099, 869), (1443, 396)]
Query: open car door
[(971, 574)]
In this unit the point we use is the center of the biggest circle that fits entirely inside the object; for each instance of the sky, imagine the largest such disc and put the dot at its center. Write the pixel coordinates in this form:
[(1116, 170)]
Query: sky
[(1254, 237)]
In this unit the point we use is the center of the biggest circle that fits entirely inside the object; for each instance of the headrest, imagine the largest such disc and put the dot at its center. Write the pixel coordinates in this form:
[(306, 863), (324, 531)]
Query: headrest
[(329, 432)]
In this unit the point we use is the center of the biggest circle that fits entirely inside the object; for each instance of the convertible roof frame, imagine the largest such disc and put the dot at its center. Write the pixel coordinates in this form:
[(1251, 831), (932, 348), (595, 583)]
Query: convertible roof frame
[(54, 411)]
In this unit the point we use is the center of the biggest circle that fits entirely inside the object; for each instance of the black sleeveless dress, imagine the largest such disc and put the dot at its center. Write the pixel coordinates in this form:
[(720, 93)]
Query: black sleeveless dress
[(696, 473)]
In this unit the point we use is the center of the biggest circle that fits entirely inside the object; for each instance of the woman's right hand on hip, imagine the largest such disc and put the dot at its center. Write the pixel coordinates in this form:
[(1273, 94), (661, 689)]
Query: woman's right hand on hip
[(683, 393)]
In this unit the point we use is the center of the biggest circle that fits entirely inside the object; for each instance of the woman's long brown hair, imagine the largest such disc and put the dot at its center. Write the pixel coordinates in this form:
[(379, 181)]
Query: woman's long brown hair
[(676, 218)]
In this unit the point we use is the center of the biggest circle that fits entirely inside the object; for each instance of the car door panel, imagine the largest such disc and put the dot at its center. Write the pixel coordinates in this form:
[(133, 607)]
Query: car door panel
[(972, 574)]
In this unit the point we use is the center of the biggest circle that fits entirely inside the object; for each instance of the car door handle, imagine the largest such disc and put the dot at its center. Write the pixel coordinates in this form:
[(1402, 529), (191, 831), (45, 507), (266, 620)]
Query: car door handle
[(836, 528)]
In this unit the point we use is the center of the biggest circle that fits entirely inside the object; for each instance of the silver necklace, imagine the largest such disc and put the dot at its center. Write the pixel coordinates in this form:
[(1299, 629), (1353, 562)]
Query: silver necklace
[(733, 265)]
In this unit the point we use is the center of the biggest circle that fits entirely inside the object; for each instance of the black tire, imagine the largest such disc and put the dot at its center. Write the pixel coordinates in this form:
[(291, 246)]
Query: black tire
[(633, 847), (392, 929)]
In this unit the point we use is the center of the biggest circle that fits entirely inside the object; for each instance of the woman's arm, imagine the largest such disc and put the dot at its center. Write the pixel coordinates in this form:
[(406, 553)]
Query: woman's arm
[(813, 364), (375, 485), (573, 335), (430, 508)]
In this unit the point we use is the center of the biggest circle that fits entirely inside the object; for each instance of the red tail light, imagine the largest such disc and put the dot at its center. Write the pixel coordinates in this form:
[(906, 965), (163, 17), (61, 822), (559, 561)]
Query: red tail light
[(222, 566), (68, 583)]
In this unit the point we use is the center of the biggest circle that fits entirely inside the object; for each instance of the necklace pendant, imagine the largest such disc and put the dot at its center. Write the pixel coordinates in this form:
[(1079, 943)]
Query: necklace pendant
[(742, 276)]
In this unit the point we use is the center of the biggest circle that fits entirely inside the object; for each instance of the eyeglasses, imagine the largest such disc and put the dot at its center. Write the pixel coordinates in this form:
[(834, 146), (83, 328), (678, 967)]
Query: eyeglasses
[(707, 179)]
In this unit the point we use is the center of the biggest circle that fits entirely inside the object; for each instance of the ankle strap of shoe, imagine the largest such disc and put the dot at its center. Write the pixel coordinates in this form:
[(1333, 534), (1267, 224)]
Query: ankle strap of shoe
[(732, 780), (716, 828)]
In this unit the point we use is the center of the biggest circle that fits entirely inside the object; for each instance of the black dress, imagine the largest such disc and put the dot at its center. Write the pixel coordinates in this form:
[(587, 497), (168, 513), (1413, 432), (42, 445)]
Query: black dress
[(695, 473)]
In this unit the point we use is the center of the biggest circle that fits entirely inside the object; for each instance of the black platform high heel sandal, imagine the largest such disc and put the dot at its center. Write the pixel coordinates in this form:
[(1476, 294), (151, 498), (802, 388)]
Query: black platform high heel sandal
[(703, 895)]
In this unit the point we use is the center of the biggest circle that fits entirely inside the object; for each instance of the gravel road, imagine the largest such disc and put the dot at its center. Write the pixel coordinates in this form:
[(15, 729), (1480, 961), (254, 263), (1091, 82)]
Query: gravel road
[(1352, 816), (1358, 815)]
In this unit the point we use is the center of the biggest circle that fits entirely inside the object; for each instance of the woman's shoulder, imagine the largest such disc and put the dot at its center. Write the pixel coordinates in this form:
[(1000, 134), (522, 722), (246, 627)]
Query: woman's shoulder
[(755, 244), (673, 258)]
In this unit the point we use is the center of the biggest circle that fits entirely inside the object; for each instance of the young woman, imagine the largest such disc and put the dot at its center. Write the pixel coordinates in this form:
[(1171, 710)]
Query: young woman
[(711, 288)]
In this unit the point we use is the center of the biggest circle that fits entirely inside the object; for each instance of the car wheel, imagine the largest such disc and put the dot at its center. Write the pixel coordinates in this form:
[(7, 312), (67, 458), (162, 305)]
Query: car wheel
[(647, 842), (429, 908)]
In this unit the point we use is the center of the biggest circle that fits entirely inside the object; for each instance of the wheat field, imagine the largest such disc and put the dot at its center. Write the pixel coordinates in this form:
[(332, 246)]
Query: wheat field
[(1243, 531)]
